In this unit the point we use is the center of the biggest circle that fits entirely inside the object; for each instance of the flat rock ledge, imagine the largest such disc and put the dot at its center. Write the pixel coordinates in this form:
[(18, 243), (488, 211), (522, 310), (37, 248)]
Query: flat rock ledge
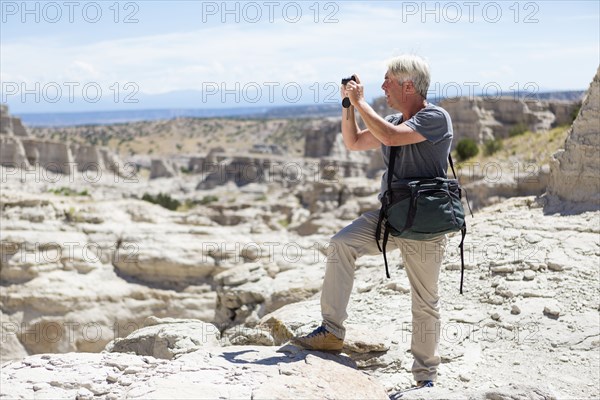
[(235, 372)]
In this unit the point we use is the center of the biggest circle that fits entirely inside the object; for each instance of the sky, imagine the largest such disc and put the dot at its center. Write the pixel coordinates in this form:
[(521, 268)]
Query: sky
[(58, 56)]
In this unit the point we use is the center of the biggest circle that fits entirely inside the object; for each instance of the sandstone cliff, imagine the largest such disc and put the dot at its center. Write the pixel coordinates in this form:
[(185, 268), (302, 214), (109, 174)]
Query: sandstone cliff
[(575, 170)]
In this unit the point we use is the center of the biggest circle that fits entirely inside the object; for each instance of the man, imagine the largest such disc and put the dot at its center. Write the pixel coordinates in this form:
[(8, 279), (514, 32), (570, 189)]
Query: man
[(423, 133)]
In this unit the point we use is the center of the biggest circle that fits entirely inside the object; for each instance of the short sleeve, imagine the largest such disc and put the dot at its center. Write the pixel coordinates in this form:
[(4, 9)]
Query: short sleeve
[(394, 119), (432, 123)]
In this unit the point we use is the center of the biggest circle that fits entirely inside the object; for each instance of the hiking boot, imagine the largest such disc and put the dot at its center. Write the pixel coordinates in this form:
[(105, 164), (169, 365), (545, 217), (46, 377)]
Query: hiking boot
[(319, 339), (424, 384)]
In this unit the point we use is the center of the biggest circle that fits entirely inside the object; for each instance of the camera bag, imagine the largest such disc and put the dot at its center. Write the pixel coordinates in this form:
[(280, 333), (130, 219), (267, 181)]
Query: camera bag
[(420, 210)]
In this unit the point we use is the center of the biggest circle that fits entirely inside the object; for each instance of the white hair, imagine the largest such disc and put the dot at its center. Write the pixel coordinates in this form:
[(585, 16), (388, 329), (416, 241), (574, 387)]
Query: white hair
[(413, 68)]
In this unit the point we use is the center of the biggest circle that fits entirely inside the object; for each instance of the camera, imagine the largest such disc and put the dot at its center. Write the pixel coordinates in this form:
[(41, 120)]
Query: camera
[(346, 101), (346, 80)]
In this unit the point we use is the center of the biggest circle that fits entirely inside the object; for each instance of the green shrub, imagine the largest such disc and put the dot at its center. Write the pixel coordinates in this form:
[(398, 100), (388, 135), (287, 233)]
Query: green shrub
[(492, 146), (66, 191), (517, 130), (208, 199), (163, 200), (466, 148)]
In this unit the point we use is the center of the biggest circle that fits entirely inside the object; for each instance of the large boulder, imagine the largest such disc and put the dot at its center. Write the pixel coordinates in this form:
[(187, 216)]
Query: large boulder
[(297, 318), (167, 338), (11, 348)]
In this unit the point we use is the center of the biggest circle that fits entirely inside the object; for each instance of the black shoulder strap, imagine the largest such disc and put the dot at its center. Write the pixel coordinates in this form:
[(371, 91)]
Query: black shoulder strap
[(391, 162), (452, 165), (385, 201), (463, 231)]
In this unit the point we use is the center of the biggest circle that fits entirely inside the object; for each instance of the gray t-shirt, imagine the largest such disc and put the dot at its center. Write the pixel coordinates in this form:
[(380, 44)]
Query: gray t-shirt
[(427, 159)]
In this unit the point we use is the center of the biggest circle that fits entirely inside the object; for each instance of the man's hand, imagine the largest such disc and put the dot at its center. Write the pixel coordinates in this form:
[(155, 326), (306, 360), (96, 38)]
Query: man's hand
[(355, 91), (355, 138)]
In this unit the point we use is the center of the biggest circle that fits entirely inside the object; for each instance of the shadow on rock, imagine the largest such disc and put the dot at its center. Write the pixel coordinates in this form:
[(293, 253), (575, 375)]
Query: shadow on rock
[(289, 354)]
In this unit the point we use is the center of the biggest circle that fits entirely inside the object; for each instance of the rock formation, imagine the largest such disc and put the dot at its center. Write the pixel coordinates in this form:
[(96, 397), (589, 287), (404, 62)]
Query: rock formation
[(92, 158), (494, 182), (320, 138), (21, 150), (162, 168), (167, 338), (575, 170), (12, 152), (325, 156), (10, 125), (482, 118), (52, 156), (77, 275)]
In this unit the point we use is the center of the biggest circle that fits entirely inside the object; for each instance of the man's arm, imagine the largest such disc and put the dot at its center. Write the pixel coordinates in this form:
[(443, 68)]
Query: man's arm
[(385, 132), (355, 139)]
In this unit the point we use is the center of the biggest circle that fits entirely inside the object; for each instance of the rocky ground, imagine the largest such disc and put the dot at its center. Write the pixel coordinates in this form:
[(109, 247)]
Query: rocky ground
[(91, 263), (104, 293)]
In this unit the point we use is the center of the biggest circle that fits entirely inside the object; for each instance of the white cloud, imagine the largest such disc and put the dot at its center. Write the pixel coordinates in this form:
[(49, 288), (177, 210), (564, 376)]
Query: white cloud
[(303, 52), (364, 37)]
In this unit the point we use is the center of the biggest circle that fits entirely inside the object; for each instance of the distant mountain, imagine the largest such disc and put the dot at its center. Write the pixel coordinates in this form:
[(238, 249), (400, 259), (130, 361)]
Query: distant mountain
[(123, 116)]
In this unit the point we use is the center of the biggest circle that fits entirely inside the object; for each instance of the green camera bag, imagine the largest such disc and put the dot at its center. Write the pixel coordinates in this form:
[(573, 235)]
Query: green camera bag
[(420, 210), (425, 209)]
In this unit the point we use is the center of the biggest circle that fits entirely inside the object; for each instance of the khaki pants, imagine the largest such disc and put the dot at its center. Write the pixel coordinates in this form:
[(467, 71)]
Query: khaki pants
[(422, 261)]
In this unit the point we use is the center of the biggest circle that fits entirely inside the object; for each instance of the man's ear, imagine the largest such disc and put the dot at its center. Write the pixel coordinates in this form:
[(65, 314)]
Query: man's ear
[(410, 87)]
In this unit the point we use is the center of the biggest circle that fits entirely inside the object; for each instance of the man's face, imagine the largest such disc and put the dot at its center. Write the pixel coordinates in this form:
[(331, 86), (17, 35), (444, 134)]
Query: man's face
[(395, 92)]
